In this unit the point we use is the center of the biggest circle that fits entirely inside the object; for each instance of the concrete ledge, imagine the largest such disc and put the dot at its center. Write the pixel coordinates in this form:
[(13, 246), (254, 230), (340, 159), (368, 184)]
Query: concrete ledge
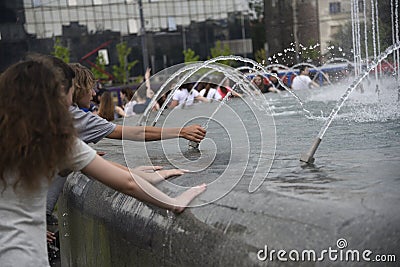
[(101, 227), (106, 228)]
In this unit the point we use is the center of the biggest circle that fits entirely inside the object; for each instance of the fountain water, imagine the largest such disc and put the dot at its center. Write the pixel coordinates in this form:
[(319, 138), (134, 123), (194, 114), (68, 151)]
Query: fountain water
[(301, 206), (213, 116), (308, 157)]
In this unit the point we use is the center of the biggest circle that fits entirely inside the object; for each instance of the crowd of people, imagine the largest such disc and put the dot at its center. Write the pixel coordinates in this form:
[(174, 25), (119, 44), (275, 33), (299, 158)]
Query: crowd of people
[(67, 111), (205, 91), (273, 83), (136, 102)]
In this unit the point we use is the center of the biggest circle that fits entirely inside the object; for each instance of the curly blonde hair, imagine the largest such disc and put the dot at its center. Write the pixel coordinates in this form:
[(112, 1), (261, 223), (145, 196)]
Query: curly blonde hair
[(84, 81), (37, 132)]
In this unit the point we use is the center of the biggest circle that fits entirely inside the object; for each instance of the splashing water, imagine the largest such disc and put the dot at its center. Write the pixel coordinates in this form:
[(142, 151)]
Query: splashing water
[(356, 83)]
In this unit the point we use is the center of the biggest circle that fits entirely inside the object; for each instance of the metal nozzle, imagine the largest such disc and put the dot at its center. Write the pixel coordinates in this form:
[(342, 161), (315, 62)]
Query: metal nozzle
[(193, 145), (308, 157)]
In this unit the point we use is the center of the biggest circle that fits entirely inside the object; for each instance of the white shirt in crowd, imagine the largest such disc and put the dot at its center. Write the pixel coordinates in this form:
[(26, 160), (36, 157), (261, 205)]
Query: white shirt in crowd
[(212, 94), (301, 82), (183, 96)]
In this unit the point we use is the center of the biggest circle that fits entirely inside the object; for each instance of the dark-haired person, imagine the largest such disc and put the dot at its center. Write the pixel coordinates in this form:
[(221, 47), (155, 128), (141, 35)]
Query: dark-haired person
[(303, 80), (210, 93), (274, 82), (126, 95), (258, 81), (186, 95)]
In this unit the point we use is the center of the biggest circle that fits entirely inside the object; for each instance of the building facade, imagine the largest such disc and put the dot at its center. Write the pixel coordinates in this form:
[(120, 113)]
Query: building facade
[(45, 18), (296, 24), (167, 26)]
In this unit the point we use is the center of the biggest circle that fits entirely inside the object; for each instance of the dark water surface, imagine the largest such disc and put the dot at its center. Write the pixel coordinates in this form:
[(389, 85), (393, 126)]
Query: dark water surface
[(351, 192)]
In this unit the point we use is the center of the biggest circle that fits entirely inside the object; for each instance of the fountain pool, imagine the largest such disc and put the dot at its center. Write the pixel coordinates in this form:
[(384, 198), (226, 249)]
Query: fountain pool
[(350, 194)]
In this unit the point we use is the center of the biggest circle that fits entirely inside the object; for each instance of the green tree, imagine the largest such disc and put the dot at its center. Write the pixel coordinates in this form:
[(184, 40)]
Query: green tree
[(190, 55), (310, 52), (121, 71), (221, 50), (60, 51), (342, 41), (100, 63), (385, 22), (261, 56)]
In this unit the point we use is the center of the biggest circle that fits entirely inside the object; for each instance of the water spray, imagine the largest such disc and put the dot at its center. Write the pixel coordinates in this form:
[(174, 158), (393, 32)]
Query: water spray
[(309, 157), (195, 145)]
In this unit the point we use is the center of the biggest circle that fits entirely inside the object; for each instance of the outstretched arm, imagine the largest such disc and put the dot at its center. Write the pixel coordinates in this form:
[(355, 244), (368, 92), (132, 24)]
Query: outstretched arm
[(152, 174), (202, 99), (314, 84), (135, 186), (173, 104), (148, 133), (120, 111)]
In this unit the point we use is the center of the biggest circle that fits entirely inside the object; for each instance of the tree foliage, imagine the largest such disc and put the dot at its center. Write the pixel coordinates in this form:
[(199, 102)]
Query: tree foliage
[(190, 55), (100, 63), (261, 56), (221, 50), (342, 41), (121, 71), (309, 52), (60, 51)]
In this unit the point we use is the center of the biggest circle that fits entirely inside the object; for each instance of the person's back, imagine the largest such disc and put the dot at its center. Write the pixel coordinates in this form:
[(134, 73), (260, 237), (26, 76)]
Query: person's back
[(34, 147), (210, 93), (303, 81), (142, 100), (22, 239), (139, 108), (184, 96)]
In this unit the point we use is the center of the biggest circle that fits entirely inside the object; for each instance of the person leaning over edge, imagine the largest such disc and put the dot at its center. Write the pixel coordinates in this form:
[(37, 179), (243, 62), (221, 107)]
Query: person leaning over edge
[(97, 128), (93, 124), (92, 128), (38, 145)]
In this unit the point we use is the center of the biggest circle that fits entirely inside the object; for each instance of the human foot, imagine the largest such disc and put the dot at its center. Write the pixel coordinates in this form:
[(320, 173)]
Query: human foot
[(186, 197)]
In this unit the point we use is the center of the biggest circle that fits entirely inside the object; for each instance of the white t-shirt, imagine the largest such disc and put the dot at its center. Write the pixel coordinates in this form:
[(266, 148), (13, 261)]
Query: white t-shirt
[(128, 108), (23, 219), (183, 96), (301, 82), (212, 94)]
